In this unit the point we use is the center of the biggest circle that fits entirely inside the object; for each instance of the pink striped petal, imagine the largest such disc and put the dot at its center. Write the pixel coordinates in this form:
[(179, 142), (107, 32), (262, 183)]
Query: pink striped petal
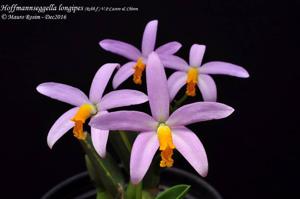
[(149, 37), (100, 81), (63, 92), (198, 112), (196, 54), (62, 125), (207, 87), (121, 48), (124, 120), (157, 88), (173, 62), (123, 74), (189, 145), (99, 139), (142, 153), (175, 82), (169, 48), (223, 68), (121, 98)]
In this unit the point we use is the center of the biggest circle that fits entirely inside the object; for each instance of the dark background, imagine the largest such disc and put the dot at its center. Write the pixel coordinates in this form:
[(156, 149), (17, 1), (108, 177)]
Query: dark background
[(252, 154)]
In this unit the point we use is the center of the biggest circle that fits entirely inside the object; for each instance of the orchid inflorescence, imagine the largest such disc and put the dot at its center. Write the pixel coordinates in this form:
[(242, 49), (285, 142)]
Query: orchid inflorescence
[(163, 130)]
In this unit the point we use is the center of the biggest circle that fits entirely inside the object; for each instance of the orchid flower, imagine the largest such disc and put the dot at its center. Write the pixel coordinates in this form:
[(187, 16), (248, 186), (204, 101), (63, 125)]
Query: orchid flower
[(161, 131), (139, 59), (86, 107), (193, 74)]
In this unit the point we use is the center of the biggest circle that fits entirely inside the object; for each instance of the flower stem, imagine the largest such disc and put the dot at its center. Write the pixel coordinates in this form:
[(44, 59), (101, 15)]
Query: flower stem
[(134, 191), (178, 103), (125, 139)]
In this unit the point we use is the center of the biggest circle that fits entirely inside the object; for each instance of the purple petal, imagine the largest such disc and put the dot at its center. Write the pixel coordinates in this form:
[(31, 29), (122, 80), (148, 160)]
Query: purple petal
[(189, 145), (99, 139), (123, 74), (124, 120), (157, 88), (63, 92), (196, 54), (149, 37), (100, 81), (61, 126), (169, 48), (223, 68), (175, 82), (198, 112), (207, 87), (121, 48), (121, 98), (142, 153), (173, 62)]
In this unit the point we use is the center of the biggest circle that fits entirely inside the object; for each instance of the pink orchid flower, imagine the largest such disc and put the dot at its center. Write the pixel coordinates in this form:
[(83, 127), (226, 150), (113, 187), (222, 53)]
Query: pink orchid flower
[(161, 130), (194, 73), (139, 58), (86, 107)]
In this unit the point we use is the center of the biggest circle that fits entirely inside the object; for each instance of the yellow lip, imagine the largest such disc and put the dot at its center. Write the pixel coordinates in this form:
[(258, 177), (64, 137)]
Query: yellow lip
[(166, 145)]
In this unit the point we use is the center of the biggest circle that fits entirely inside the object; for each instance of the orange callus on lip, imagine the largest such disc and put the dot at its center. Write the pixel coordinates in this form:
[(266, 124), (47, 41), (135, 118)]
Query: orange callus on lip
[(138, 71), (192, 80), (85, 111)]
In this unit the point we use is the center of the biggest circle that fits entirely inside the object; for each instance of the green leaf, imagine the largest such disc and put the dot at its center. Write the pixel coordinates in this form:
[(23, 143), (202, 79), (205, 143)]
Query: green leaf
[(103, 195), (109, 173), (121, 142), (175, 192), (95, 177)]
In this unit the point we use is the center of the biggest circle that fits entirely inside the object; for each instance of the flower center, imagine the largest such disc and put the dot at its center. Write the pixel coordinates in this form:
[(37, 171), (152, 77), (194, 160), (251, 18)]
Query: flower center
[(192, 80), (85, 111), (138, 71), (166, 145)]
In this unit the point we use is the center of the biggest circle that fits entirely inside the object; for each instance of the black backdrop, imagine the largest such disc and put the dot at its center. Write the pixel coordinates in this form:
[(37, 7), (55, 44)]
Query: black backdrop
[(252, 154)]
